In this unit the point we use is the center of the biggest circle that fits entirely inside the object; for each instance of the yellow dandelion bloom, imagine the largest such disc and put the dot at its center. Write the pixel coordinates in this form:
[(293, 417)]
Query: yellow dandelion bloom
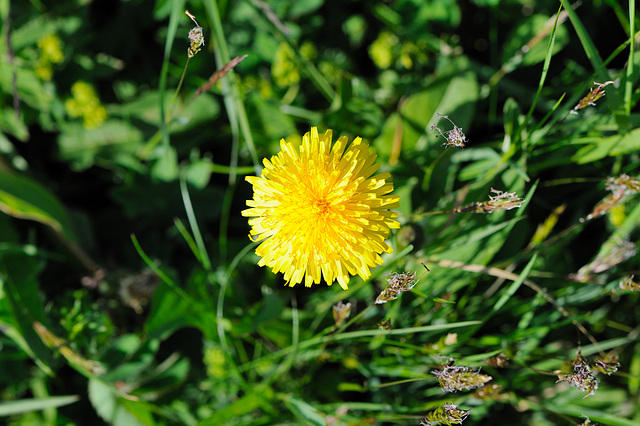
[(320, 210)]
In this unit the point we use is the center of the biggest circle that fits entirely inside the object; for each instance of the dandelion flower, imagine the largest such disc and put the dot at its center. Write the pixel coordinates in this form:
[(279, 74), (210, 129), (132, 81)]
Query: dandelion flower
[(320, 211)]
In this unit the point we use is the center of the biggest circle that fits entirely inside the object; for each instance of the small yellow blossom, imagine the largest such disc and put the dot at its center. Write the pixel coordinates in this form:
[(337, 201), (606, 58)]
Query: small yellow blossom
[(382, 50), (86, 104), (51, 48), (50, 53)]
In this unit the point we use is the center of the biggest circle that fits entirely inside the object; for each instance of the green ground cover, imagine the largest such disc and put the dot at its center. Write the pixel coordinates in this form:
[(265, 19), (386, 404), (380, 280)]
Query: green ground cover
[(130, 292)]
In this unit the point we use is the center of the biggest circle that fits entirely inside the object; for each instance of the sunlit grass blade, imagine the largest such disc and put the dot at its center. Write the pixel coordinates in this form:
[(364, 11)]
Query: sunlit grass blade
[(11, 408), (543, 76), (176, 14), (594, 57), (193, 222), (628, 87)]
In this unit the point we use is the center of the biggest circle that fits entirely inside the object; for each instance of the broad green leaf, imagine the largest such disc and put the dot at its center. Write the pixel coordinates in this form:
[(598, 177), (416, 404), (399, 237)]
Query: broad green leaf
[(82, 147), (275, 124), (304, 7), (455, 97), (611, 146), (23, 198), (198, 172), (142, 411), (483, 159), (166, 166), (146, 108), (114, 409), (42, 25), (35, 404), (304, 411)]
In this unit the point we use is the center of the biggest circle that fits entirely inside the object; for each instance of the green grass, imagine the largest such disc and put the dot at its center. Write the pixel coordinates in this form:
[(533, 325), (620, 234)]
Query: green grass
[(129, 290)]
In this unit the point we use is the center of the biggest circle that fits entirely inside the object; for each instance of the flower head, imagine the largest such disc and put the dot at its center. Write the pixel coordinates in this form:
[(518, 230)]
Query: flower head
[(592, 97), (85, 103), (341, 312), (459, 377), (621, 187), (448, 414), (454, 137), (398, 283), (195, 36), (629, 284), (320, 210), (582, 378), (500, 201)]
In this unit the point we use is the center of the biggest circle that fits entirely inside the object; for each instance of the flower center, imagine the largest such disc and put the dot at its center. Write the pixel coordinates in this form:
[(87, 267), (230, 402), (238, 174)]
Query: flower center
[(321, 207)]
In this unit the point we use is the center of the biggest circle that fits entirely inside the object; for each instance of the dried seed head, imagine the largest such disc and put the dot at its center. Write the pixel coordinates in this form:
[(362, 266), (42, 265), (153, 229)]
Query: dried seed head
[(341, 312), (594, 94), (442, 343), (624, 182), (500, 201), (137, 289), (621, 187), (629, 284), (398, 283), (384, 324), (491, 391), (608, 364), (195, 36), (455, 137), (458, 377), (448, 414), (622, 251), (582, 377), (499, 360)]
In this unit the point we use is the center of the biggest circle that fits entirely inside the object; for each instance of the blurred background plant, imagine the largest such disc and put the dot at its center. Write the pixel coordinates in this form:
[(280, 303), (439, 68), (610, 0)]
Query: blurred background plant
[(130, 293)]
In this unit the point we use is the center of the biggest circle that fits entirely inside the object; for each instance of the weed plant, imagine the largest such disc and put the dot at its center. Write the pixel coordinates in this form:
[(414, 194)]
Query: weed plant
[(130, 293)]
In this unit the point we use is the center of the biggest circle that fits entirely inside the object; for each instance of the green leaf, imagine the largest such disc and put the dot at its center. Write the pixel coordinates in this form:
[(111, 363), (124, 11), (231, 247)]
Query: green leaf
[(198, 173), (275, 124), (31, 89), (304, 412), (35, 404), (82, 147), (260, 397), (134, 366), (530, 29), (300, 8), (42, 25), (455, 97), (166, 166), (202, 109), (23, 198), (12, 125), (21, 305), (171, 311), (611, 146), (113, 409)]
